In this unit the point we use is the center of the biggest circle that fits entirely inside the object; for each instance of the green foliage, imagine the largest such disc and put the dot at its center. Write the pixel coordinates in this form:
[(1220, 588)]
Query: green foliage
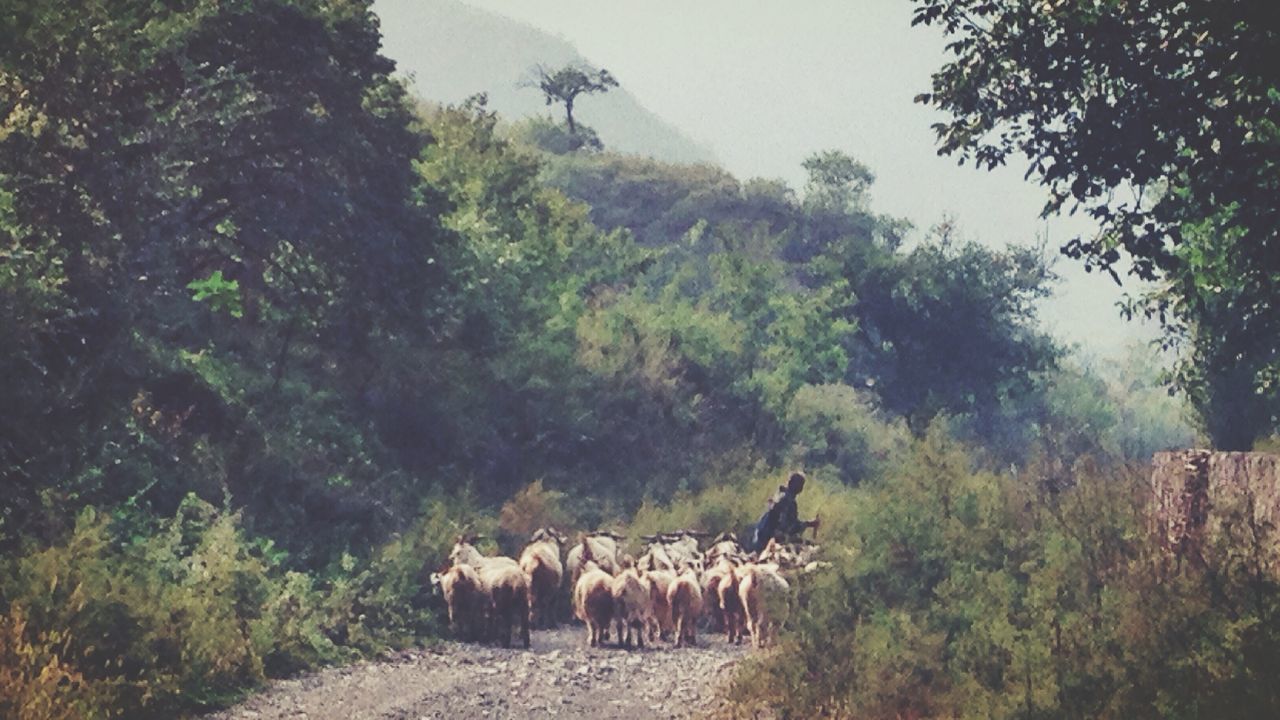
[(260, 156), (838, 427), (553, 138), (1148, 417), (1226, 362), (155, 624), (223, 295), (946, 327), (36, 683), (836, 180), (1159, 120), (971, 594), (149, 621), (660, 202), (534, 507)]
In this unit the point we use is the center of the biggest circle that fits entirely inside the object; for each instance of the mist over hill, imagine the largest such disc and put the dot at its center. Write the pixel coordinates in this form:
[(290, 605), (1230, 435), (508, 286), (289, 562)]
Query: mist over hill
[(452, 51)]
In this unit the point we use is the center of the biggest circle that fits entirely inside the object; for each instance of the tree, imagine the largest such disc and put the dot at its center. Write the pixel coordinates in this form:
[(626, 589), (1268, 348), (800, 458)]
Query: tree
[(257, 155), (565, 84), (836, 180), (948, 327), (1158, 120)]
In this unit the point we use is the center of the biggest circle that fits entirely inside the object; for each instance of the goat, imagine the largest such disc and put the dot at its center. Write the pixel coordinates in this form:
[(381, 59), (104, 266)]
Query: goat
[(508, 601), (732, 610), (711, 588), (466, 598), (540, 561), (593, 596), (632, 610), (655, 557), (682, 547), (685, 598), (789, 556), (504, 582), (604, 552), (765, 598), (724, 544), (660, 624), (464, 552)]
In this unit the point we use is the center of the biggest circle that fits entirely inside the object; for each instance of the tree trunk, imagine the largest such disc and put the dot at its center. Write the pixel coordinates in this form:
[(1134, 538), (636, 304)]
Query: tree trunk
[(1234, 414)]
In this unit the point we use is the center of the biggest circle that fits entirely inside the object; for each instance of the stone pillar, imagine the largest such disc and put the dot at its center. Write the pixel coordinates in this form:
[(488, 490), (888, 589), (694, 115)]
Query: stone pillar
[(1218, 507), (1180, 501)]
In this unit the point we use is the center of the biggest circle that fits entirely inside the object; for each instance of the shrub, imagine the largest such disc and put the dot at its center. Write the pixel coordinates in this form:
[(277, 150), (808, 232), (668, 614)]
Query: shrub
[(146, 622), (36, 681), (838, 427), (531, 508), (152, 622), (977, 595)]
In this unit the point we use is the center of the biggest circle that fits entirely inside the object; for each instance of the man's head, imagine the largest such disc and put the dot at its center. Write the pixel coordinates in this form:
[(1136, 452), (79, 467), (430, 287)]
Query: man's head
[(796, 483)]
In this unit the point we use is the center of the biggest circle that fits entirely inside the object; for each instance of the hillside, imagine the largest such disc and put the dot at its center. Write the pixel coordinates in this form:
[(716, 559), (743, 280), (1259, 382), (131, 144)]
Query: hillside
[(438, 44)]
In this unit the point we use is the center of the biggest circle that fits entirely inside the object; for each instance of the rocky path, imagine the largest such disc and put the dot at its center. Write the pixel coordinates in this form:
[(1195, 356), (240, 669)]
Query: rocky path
[(558, 677)]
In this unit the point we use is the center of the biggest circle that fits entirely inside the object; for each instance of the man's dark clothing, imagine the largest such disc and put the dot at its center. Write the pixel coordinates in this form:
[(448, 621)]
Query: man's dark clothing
[(780, 520)]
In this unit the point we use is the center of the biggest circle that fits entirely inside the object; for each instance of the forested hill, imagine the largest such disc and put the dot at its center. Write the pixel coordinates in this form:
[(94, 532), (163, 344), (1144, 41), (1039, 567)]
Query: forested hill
[(452, 51)]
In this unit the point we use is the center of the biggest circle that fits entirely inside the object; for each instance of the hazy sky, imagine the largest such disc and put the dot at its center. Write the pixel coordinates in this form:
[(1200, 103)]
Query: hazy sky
[(764, 84)]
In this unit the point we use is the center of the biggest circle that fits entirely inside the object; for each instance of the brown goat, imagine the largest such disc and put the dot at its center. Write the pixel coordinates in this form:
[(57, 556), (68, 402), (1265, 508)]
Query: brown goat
[(726, 544), (660, 624), (655, 557), (506, 585), (604, 552), (540, 561), (508, 601), (685, 598), (593, 598), (632, 609), (766, 600), (731, 608), (711, 592), (464, 552), (467, 600)]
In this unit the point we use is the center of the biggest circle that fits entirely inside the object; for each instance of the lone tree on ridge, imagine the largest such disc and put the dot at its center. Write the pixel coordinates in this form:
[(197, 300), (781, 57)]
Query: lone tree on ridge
[(565, 84)]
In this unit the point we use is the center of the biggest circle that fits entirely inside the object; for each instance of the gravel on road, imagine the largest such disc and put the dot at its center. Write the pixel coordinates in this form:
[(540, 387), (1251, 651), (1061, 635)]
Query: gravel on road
[(558, 677)]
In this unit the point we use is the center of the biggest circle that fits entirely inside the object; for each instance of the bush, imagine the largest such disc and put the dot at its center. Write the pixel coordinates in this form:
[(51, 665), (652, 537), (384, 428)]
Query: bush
[(533, 507), (388, 603), (146, 622), (36, 683), (151, 622), (838, 427), (976, 595), (552, 137)]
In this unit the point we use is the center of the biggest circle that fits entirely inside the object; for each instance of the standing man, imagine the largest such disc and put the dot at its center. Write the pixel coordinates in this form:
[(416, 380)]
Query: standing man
[(782, 518)]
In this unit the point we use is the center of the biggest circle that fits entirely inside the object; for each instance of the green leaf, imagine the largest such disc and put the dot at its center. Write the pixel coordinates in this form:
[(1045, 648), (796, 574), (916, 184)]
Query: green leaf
[(222, 295)]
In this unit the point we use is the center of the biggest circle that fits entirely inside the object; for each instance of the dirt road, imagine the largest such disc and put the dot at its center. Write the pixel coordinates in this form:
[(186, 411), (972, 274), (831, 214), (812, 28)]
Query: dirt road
[(558, 677)]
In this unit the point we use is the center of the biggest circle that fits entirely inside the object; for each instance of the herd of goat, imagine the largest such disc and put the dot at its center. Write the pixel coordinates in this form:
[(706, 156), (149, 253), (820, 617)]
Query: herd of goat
[(662, 595)]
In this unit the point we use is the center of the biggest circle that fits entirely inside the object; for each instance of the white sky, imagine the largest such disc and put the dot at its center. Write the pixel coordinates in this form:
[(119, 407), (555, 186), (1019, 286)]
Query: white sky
[(766, 83)]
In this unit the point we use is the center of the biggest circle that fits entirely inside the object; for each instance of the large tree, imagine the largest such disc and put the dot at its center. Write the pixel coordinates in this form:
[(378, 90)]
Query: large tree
[(259, 154), (564, 86), (1158, 119)]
